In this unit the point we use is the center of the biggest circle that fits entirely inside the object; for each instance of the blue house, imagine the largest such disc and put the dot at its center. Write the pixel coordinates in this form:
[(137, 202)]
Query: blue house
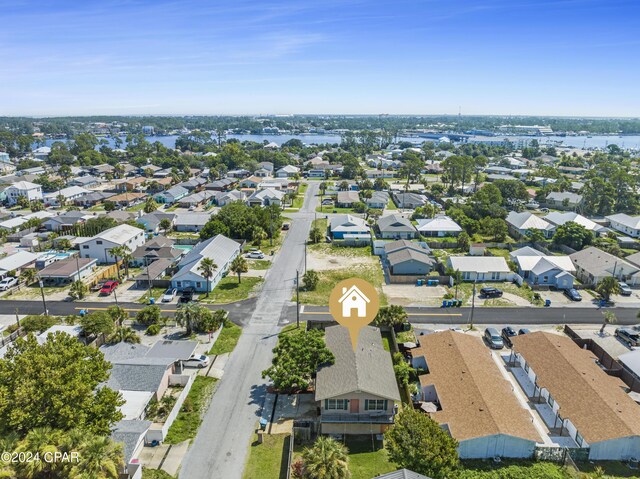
[(349, 227), (171, 195)]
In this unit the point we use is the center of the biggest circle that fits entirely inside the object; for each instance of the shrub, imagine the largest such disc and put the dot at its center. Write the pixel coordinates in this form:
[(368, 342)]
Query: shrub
[(153, 330), (37, 324)]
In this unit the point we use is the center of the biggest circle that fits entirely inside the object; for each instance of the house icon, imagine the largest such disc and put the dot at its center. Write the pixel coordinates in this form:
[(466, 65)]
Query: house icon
[(351, 299)]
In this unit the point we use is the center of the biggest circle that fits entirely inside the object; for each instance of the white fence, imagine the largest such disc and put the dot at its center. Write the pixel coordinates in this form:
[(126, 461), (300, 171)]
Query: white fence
[(157, 432)]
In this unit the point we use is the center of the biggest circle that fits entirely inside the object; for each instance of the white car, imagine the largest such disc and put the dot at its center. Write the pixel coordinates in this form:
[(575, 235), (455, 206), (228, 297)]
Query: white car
[(197, 361), (7, 283), (169, 294), (256, 255), (625, 290)]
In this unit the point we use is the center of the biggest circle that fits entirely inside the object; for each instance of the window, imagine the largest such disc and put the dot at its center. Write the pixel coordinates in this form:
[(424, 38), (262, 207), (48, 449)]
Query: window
[(179, 284), (579, 439), (526, 367), (336, 404), (375, 404), (98, 242), (85, 246)]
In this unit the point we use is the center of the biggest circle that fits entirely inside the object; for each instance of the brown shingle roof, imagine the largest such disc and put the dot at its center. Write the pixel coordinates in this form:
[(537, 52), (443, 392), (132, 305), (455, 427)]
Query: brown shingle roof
[(476, 400), (591, 399)]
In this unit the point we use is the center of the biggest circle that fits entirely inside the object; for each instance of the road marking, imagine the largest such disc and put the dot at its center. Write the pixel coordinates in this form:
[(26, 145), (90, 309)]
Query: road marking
[(106, 309), (327, 313), (302, 309)]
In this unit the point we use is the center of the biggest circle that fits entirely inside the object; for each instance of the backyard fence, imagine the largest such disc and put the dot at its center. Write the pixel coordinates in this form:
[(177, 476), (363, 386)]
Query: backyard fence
[(157, 432)]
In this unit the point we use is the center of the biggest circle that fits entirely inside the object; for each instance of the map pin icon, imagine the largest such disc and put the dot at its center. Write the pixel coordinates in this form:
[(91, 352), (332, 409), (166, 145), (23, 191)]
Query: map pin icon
[(354, 303)]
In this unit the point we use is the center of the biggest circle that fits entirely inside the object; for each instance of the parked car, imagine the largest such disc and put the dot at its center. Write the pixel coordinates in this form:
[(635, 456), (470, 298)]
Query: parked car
[(327, 201), (490, 293), (108, 288), (507, 334), (197, 361), (8, 282), (572, 294), (256, 255), (493, 338), (187, 295), (625, 290), (285, 226), (523, 331), (629, 336), (169, 294)]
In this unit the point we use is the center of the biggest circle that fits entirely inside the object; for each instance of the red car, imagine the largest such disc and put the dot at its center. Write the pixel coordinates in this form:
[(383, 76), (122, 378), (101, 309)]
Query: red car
[(108, 287)]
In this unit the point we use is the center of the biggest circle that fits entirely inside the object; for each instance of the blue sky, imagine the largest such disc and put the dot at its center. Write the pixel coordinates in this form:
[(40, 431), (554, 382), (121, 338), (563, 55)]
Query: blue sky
[(547, 57)]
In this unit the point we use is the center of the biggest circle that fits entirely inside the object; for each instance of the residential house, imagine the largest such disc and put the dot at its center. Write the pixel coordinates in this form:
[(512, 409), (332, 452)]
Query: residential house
[(152, 273), (191, 222), (408, 200), (402, 474), (131, 434), (346, 199), (150, 222), (267, 166), (439, 226), (220, 249), (66, 271), (66, 220), (17, 223), (565, 200), (16, 262), (250, 182), (238, 173), (622, 222), (556, 271), (467, 394), (593, 264), (163, 173), (582, 400), (266, 197), (287, 171), (481, 268), (396, 227), (378, 200), (93, 198), (558, 219), (100, 246), (70, 193), (262, 173), (132, 184), (194, 184), (231, 196), (102, 170), (31, 191), (200, 198), (408, 258), (158, 248), (348, 227), (124, 200), (520, 224), (87, 181), (122, 216), (171, 195), (223, 184), (358, 392)]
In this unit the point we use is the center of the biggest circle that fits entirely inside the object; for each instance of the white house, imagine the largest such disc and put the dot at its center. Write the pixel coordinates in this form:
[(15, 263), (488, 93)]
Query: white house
[(629, 225), (546, 270), (100, 246), (16, 262), (70, 193), (287, 171), (220, 249), (520, 224), (27, 189), (557, 218), (481, 268), (438, 226)]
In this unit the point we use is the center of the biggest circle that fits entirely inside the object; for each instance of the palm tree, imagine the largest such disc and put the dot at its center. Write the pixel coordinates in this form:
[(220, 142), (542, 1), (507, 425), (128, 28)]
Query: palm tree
[(124, 253), (207, 268), (28, 275), (239, 265), (607, 287), (124, 334), (117, 252), (39, 441), (609, 318), (188, 315), (326, 459), (100, 458), (150, 205)]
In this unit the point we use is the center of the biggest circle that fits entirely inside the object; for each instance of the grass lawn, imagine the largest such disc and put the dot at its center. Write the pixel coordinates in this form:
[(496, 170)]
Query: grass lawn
[(96, 208), (187, 422), (335, 209), (259, 264), (367, 458), (465, 290), (346, 251), (155, 474), (155, 293), (269, 459), (228, 290), (329, 278), (227, 339), (386, 340), (612, 469), (137, 207), (499, 252), (321, 223), (391, 205)]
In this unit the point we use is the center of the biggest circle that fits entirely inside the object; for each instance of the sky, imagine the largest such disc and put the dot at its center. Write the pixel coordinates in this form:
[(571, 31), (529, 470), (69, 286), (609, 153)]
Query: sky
[(492, 57)]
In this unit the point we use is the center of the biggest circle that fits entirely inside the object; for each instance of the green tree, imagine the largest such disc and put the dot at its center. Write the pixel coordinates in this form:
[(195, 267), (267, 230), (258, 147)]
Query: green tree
[(124, 334), (37, 323), (207, 268), (494, 227), (64, 244), (165, 225), (418, 443), (22, 202), (150, 205), (316, 235), (391, 315), (97, 322), (149, 315), (607, 287), (535, 235), (463, 241), (212, 321), (28, 275), (573, 235), (310, 280), (109, 206), (100, 458), (239, 265), (118, 314), (61, 380), (192, 316), (78, 290), (296, 357), (609, 318), (326, 459)]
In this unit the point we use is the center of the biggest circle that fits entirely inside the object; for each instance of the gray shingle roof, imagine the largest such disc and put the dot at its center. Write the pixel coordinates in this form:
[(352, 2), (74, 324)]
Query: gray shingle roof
[(402, 474), (128, 432), (123, 351), (368, 369), (395, 224), (138, 375)]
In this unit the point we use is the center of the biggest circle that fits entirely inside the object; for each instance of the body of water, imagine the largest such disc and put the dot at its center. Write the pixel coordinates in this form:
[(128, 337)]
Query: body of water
[(599, 141)]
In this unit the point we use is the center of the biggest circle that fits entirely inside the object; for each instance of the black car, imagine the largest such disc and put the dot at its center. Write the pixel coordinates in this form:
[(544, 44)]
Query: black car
[(629, 336), (507, 334), (493, 339), (490, 293), (572, 294), (186, 296), (523, 331)]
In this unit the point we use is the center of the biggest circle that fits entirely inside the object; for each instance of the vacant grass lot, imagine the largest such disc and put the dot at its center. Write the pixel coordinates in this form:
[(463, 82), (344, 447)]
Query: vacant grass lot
[(269, 459), (259, 264), (190, 416), (367, 457), (229, 290), (345, 251), (156, 293), (227, 339)]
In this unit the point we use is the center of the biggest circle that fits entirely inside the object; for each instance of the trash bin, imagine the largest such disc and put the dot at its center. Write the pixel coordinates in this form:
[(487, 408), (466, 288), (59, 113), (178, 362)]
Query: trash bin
[(449, 303), (263, 423), (419, 282), (547, 302), (458, 303), (152, 300), (444, 303)]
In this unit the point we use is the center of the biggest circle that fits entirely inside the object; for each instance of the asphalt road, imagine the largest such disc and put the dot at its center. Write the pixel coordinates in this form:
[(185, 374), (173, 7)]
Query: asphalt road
[(484, 315), (220, 448)]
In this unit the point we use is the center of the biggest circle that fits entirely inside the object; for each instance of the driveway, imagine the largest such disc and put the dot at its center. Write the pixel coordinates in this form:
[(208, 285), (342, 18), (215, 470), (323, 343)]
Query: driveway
[(220, 448), (127, 293)]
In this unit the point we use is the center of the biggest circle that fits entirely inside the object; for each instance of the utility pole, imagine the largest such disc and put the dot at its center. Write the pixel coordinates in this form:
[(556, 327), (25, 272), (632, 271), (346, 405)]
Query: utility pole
[(115, 295), (297, 299), (44, 301), (305, 256), (473, 302), (270, 228), (146, 262), (78, 264)]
